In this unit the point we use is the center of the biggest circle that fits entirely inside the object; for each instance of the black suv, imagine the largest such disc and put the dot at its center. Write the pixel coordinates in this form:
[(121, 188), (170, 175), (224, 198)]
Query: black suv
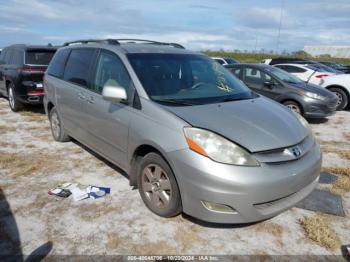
[(22, 68), (307, 99)]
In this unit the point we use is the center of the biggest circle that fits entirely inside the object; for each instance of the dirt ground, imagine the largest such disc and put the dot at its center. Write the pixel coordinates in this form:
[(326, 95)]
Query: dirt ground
[(31, 163)]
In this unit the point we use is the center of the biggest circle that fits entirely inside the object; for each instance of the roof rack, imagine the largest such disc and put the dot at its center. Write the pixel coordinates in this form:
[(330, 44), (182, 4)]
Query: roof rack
[(150, 42), (105, 41), (117, 42)]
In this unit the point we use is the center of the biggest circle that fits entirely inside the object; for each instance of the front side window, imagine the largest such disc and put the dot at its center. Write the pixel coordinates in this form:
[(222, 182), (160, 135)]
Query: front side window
[(38, 57), (191, 79), (253, 76), (110, 70), (78, 66)]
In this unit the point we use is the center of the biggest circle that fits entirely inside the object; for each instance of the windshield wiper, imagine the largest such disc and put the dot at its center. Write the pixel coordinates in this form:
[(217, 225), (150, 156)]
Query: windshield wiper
[(174, 102)]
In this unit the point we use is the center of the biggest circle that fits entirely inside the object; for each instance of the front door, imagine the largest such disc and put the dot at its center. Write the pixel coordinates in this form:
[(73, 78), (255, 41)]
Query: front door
[(108, 122)]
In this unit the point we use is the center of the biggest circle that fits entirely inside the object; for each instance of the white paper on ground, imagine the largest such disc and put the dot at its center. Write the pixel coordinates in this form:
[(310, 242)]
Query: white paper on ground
[(79, 194)]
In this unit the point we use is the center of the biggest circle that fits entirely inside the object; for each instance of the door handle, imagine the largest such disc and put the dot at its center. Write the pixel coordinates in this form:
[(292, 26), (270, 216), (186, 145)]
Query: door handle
[(81, 96), (91, 100)]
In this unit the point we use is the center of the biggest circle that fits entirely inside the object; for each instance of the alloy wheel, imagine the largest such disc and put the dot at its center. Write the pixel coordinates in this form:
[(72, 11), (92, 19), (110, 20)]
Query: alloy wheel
[(55, 125), (156, 186), (294, 108), (11, 98), (340, 98)]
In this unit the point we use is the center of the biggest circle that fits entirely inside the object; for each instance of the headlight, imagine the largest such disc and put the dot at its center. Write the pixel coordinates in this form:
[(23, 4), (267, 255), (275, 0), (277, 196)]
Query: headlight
[(315, 96), (312, 95), (217, 148)]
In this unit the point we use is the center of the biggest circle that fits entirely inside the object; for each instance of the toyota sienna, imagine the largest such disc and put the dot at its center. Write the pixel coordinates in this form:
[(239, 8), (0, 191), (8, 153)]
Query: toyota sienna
[(190, 135)]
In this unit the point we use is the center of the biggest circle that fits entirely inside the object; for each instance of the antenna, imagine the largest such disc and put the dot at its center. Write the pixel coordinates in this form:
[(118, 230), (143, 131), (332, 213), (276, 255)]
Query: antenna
[(280, 26)]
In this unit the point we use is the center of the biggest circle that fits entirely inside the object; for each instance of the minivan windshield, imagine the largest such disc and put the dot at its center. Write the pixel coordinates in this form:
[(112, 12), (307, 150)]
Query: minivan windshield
[(38, 57), (185, 79), (283, 75)]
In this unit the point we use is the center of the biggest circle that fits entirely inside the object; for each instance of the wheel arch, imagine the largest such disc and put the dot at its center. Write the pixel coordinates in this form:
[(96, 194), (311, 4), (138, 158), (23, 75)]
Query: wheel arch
[(347, 92), (138, 153), (295, 101)]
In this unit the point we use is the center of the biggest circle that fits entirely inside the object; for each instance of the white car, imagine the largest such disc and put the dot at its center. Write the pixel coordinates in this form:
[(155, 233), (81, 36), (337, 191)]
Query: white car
[(340, 85), (225, 60), (308, 72)]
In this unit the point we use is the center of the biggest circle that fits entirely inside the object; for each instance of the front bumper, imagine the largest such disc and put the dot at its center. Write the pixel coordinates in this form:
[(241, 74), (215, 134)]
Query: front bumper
[(314, 108), (255, 193)]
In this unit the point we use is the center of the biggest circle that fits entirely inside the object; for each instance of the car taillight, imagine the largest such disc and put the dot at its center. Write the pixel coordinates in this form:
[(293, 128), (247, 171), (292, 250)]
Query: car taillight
[(31, 70), (321, 76)]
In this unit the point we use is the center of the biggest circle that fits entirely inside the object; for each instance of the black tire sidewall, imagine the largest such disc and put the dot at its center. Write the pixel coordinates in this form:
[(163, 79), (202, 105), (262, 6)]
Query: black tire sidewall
[(17, 105), (345, 101), (175, 206)]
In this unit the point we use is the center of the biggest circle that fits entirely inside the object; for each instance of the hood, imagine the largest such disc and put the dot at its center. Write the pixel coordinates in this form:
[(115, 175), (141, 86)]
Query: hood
[(308, 87), (256, 124)]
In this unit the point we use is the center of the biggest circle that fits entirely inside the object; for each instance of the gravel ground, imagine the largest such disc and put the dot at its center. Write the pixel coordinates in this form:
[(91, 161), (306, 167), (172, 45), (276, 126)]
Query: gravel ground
[(31, 163)]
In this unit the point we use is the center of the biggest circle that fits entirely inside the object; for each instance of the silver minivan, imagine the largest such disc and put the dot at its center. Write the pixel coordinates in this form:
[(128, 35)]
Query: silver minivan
[(190, 136)]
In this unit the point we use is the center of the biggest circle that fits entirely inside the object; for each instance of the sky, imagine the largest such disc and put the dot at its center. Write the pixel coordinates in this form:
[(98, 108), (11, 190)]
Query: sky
[(198, 24)]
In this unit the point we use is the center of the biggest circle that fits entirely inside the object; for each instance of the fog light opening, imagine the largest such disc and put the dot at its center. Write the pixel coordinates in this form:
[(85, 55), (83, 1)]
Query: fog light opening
[(220, 208)]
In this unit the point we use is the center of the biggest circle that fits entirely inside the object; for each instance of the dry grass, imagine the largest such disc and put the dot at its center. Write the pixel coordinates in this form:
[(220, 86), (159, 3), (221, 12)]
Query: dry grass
[(343, 181), (6, 129), (270, 228), (22, 164), (317, 228), (33, 117), (345, 171), (342, 153), (7, 144), (347, 135)]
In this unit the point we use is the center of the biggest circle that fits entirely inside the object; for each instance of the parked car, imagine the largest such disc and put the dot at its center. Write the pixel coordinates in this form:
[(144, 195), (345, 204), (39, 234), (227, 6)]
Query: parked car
[(225, 60), (340, 86), (189, 134), (284, 60), (303, 98), (336, 66), (307, 73), (22, 69)]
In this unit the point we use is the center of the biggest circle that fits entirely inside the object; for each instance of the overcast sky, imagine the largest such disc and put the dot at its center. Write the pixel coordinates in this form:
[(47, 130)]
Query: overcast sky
[(198, 24)]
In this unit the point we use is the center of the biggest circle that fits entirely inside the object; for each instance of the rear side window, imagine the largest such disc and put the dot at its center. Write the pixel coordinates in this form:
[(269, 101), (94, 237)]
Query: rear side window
[(17, 58), (56, 67), (8, 56), (78, 66), (39, 57), (220, 61)]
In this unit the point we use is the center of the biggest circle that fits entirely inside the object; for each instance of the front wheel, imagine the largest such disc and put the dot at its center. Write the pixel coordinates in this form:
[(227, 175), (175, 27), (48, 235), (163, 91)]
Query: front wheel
[(14, 104), (158, 187), (57, 130), (342, 98), (293, 106)]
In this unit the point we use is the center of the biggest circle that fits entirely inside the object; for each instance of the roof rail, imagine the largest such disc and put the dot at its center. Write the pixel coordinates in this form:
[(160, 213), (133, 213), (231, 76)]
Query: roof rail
[(150, 42), (105, 41), (117, 42)]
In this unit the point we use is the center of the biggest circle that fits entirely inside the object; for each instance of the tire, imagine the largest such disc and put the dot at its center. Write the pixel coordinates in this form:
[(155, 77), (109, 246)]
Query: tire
[(57, 129), (158, 187), (14, 104), (343, 98), (294, 106)]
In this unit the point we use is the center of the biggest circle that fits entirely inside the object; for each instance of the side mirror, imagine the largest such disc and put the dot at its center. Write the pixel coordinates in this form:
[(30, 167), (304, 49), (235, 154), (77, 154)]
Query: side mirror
[(269, 84), (114, 94)]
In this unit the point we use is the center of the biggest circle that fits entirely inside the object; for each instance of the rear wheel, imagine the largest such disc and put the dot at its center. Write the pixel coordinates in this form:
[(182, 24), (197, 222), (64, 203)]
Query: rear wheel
[(342, 97), (293, 106), (158, 187), (14, 104), (57, 130)]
